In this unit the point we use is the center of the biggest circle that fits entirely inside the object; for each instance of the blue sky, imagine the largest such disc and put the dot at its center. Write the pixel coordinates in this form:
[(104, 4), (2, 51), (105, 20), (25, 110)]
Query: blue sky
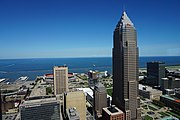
[(84, 28)]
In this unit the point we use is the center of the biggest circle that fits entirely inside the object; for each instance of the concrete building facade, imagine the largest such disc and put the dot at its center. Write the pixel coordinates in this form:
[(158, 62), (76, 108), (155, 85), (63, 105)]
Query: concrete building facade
[(125, 69), (76, 99), (149, 92), (112, 113), (100, 99), (60, 79)]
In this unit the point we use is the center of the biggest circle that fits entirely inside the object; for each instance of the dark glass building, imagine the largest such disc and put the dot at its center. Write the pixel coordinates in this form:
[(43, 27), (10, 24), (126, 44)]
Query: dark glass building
[(125, 69), (155, 71)]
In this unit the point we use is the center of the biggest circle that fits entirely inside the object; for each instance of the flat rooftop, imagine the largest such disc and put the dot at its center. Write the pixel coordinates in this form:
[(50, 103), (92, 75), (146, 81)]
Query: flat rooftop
[(38, 101), (147, 88), (173, 98), (113, 110), (89, 91)]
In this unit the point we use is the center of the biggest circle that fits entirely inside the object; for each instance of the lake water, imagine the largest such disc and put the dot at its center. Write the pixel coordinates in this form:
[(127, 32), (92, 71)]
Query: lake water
[(15, 68)]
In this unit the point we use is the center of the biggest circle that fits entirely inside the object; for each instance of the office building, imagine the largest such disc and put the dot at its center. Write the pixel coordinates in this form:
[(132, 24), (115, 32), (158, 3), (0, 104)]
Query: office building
[(92, 78), (125, 69), (155, 71), (93, 74), (60, 79), (40, 109), (100, 99), (90, 97), (149, 92), (170, 83), (76, 99), (112, 113)]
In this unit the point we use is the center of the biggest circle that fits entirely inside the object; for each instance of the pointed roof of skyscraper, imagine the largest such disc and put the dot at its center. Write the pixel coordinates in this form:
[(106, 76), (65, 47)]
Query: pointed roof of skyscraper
[(124, 21)]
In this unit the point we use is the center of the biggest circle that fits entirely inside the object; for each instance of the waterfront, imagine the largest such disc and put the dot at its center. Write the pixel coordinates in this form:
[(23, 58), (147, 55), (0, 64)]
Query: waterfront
[(15, 68)]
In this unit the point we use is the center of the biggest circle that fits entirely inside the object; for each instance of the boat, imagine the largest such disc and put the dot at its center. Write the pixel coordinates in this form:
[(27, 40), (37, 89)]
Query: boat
[(1, 80), (22, 79)]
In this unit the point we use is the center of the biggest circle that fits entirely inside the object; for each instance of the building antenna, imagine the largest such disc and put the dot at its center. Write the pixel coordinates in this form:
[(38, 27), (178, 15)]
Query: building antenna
[(124, 8)]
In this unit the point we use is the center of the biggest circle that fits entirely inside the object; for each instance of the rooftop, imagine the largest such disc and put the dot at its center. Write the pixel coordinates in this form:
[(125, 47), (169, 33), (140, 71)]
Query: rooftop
[(100, 87), (157, 62), (173, 98), (60, 66), (73, 114), (90, 92), (112, 110), (38, 102), (147, 88)]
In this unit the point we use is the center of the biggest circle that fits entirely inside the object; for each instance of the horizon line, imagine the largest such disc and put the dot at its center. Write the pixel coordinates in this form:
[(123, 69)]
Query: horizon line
[(78, 57)]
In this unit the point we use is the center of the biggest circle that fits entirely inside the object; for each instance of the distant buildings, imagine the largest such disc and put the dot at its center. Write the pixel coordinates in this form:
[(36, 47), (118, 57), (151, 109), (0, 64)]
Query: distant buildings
[(170, 83), (100, 99), (49, 78), (92, 78), (149, 92), (155, 71), (125, 69), (76, 99), (40, 109), (60, 79), (112, 113)]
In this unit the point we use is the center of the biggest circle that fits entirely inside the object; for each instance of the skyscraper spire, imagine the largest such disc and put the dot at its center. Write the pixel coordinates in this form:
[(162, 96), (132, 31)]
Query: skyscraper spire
[(124, 21)]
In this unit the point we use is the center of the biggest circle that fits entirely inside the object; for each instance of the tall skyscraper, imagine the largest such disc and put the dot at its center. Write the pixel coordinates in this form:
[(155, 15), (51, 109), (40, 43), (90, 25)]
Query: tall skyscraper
[(125, 69), (155, 71), (60, 79), (100, 99)]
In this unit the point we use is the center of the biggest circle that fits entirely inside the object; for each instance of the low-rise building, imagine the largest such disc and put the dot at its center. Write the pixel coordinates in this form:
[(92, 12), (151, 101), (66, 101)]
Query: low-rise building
[(149, 92), (171, 101), (49, 78), (112, 113), (169, 91)]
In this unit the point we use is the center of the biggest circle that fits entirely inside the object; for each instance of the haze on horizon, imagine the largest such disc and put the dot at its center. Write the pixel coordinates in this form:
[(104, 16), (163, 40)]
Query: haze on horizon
[(69, 28)]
